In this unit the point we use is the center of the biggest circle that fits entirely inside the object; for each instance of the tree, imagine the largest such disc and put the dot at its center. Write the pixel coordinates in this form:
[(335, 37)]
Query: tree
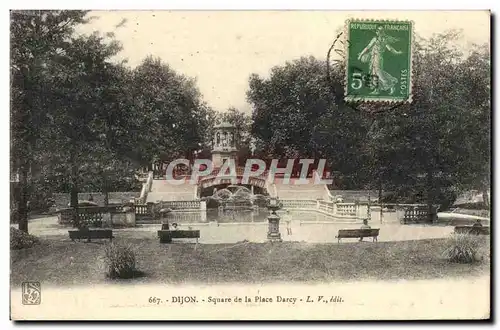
[(36, 36), (295, 115), (439, 144), (170, 112), (82, 107), (428, 150)]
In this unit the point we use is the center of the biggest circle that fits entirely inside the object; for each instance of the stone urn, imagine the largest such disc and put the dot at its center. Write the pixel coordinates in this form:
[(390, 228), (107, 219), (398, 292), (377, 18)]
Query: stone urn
[(273, 233)]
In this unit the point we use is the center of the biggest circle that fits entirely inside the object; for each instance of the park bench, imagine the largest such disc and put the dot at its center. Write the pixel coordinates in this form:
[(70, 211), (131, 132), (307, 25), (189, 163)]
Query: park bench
[(166, 236), (357, 233), (90, 234), (471, 230)]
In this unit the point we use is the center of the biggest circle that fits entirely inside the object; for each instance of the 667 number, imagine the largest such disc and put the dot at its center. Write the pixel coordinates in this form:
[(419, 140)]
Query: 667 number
[(155, 300), (359, 79)]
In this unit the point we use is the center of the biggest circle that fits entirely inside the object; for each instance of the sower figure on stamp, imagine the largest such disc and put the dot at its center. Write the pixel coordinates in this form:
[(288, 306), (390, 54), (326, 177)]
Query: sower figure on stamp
[(374, 54), (364, 226)]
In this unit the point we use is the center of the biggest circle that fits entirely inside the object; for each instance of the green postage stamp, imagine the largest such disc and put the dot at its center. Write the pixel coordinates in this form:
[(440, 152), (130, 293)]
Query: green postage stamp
[(379, 61)]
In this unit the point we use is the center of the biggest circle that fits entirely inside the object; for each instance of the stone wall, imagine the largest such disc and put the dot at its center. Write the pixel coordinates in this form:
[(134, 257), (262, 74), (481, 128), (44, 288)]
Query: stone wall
[(62, 199), (122, 219)]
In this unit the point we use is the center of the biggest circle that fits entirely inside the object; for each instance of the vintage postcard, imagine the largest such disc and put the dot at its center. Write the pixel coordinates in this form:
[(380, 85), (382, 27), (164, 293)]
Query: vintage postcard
[(250, 165)]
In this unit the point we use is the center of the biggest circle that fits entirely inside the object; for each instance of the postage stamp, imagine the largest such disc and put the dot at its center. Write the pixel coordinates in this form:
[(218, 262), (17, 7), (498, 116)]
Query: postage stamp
[(379, 61)]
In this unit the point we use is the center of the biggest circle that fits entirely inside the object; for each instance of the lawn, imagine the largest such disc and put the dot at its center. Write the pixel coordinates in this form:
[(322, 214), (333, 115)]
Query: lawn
[(58, 261)]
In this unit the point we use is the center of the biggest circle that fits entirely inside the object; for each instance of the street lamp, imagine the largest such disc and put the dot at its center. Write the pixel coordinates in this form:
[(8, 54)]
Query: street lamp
[(273, 234)]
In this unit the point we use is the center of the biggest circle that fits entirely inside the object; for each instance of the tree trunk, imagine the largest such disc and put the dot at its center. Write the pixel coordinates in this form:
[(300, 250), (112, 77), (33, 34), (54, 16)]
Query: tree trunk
[(105, 190), (74, 191), (430, 196), (486, 198), (380, 197), (484, 190), (26, 150), (22, 206)]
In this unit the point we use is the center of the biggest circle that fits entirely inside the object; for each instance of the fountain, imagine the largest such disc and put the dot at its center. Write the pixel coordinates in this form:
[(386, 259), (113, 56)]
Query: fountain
[(232, 198)]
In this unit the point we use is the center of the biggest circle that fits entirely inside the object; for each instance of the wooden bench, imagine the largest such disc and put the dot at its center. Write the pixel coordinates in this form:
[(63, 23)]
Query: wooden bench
[(471, 230), (90, 234), (167, 235), (358, 233)]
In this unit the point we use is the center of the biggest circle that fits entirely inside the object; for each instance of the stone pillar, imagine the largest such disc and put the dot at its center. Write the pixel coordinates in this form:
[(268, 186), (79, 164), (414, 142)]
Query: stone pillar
[(273, 233), (130, 218), (362, 211), (106, 220), (203, 211), (375, 214), (400, 214)]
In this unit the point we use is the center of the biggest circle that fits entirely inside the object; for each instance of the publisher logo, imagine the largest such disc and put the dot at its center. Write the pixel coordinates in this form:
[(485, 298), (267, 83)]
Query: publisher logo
[(32, 294)]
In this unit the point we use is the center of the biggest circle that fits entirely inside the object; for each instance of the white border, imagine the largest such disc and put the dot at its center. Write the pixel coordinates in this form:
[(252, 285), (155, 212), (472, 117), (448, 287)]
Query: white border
[(197, 4)]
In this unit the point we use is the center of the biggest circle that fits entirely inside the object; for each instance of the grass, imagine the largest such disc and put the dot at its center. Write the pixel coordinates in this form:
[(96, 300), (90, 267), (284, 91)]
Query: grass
[(60, 262)]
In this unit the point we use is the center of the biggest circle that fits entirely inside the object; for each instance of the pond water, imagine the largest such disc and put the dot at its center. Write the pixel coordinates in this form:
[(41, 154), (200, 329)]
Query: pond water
[(306, 226), (312, 227), (244, 216)]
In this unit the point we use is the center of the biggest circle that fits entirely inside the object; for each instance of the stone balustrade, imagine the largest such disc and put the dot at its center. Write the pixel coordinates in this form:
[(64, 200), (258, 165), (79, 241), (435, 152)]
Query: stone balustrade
[(182, 205), (299, 204), (92, 216), (327, 207), (346, 209), (114, 215)]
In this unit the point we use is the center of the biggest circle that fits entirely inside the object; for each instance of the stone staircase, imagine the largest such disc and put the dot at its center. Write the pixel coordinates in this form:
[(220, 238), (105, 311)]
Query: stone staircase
[(309, 191), (162, 190)]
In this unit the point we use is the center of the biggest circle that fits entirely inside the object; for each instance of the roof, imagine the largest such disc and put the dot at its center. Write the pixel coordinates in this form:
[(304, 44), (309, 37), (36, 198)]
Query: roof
[(224, 125)]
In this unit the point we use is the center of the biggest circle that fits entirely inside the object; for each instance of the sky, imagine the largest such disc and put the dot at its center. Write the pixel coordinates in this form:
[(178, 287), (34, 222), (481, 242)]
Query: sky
[(222, 48)]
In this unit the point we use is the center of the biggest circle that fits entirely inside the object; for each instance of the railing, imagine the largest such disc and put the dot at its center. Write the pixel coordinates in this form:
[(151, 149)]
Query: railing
[(143, 196), (146, 188), (340, 210), (418, 214), (327, 207), (346, 209), (65, 216), (182, 205), (91, 216), (239, 172), (142, 209), (299, 204), (182, 218), (328, 194), (415, 215)]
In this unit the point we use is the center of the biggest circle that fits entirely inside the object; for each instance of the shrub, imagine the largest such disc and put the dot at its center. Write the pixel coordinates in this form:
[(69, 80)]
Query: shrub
[(21, 240), (463, 248), (120, 261)]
